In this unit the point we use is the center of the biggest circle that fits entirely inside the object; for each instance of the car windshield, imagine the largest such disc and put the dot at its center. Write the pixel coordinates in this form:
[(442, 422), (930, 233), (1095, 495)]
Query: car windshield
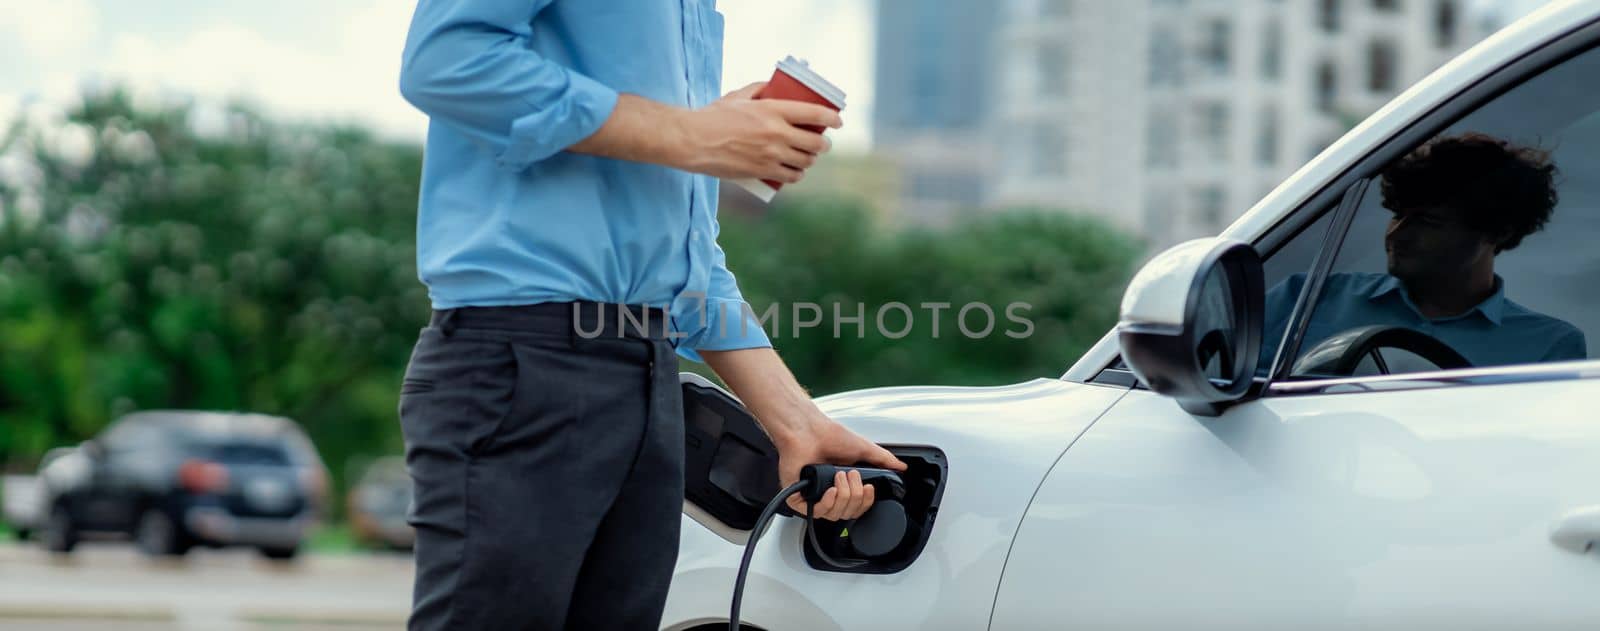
[(259, 454)]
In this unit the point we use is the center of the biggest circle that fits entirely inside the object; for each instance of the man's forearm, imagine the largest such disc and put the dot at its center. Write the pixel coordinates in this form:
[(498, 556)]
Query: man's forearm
[(638, 130), (766, 386)]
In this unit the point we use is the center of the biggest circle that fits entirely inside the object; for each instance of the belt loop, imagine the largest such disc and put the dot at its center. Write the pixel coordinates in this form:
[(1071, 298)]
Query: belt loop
[(575, 332), (447, 322)]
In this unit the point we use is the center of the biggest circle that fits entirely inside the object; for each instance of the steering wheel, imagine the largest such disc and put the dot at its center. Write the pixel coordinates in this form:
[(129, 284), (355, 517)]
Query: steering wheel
[(1343, 352)]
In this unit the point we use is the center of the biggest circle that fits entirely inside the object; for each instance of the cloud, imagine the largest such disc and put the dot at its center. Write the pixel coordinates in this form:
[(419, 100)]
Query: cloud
[(347, 67), (49, 29), (352, 79)]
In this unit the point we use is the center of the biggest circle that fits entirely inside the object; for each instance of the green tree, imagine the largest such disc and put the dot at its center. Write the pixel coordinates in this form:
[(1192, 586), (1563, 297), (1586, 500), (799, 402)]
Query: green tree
[(1068, 270), (144, 264)]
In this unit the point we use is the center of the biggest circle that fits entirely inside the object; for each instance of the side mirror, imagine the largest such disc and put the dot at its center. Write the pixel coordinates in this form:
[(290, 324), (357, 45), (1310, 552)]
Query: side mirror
[(1191, 323)]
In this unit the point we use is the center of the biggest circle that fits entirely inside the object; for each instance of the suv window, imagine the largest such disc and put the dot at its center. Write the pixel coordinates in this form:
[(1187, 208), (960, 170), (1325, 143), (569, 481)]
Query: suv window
[(250, 454), (1474, 248), (130, 434)]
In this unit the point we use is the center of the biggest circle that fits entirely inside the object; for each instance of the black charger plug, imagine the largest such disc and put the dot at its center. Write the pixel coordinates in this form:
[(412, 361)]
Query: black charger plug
[(883, 527)]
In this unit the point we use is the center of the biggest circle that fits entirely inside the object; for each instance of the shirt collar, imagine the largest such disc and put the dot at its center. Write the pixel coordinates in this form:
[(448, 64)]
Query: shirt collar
[(1493, 308)]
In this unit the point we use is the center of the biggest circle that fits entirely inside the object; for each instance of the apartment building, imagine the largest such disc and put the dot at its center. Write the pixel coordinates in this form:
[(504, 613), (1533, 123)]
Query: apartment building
[(1170, 118)]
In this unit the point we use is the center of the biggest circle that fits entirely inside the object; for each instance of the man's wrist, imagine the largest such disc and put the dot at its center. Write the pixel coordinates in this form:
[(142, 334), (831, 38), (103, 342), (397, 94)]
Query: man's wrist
[(642, 130), (677, 139), (788, 424)]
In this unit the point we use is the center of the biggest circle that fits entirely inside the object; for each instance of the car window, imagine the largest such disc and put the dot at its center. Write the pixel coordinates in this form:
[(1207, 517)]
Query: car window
[(1287, 249), (129, 434), (239, 453), (1474, 248)]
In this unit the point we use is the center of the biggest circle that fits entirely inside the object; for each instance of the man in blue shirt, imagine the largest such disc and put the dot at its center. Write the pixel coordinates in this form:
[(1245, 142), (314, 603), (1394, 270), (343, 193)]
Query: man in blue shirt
[(567, 236), (1457, 202)]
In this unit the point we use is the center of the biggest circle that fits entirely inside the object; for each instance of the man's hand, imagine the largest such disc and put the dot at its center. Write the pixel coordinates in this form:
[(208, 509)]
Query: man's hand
[(802, 433), (827, 442), (735, 137), (739, 136)]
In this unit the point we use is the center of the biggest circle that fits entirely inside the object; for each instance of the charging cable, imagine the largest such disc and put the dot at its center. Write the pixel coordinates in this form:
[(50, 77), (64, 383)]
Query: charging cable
[(750, 546), (882, 527)]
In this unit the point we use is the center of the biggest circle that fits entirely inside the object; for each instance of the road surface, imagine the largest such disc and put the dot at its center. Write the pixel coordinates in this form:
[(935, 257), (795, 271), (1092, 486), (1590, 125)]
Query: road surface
[(105, 586)]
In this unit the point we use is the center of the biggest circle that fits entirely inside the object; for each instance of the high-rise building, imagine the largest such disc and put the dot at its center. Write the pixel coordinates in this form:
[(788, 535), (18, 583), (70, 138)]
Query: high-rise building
[(932, 100), (1172, 117)]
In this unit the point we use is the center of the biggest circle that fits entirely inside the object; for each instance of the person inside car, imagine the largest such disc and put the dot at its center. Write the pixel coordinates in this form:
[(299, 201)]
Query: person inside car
[(1457, 202)]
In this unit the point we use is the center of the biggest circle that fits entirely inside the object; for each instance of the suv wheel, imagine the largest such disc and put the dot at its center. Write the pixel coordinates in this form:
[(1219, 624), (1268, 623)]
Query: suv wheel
[(60, 534), (157, 535), (279, 553)]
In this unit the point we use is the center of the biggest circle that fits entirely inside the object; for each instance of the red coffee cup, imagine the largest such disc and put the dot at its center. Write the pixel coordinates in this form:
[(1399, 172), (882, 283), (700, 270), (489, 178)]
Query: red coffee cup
[(794, 80)]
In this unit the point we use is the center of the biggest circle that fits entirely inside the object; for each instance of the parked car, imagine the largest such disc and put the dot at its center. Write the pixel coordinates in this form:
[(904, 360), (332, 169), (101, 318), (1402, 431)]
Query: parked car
[(176, 479), (19, 503), (1178, 476), (378, 504), (23, 498)]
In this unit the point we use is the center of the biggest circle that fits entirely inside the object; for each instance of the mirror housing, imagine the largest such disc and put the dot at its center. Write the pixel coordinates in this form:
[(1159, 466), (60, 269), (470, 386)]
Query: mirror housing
[(1191, 323)]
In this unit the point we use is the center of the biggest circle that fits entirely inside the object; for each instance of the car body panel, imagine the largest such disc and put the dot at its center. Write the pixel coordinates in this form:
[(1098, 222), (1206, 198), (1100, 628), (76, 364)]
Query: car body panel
[(21, 496), (1360, 509), (999, 441)]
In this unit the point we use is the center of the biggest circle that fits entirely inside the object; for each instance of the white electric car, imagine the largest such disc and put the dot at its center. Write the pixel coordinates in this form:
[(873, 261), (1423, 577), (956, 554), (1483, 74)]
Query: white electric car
[(1194, 471)]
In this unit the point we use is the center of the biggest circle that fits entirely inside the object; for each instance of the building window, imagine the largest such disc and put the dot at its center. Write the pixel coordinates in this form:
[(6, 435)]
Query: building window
[(1208, 206), (1213, 129), (1444, 23), (1161, 139), (1327, 85), (1052, 69), (1016, 155), (1166, 57), (1381, 64), (1048, 149), (1159, 207), (1386, 5), (1016, 9), (1328, 15), (1272, 50), (1214, 50), (1016, 73), (954, 188), (1267, 137)]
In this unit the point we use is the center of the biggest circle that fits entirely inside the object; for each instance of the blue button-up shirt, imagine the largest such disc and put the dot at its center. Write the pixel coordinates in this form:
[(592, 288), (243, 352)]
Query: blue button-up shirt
[(1496, 332), (508, 217)]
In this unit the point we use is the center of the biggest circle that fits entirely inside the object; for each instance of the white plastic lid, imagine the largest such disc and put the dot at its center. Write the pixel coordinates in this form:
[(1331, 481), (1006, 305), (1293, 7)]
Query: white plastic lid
[(802, 72)]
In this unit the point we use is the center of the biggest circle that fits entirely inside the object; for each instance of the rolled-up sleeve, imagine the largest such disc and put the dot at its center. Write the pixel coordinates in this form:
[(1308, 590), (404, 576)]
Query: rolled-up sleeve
[(723, 321), (467, 64)]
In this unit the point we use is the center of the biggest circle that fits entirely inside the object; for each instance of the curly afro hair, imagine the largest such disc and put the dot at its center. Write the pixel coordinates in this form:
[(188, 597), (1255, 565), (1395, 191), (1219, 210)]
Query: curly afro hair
[(1493, 186)]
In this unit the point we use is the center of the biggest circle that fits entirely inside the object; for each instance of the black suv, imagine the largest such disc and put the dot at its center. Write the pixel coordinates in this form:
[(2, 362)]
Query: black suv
[(176, 479)]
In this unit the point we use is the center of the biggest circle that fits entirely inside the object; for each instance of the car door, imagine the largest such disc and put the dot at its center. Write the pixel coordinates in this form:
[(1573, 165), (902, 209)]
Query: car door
[(116, 495), (100, 505), (1426, 497)]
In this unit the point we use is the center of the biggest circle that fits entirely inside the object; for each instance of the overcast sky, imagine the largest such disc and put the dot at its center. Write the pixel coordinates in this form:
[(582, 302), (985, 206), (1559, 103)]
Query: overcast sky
[(326, 59), (339, 58)]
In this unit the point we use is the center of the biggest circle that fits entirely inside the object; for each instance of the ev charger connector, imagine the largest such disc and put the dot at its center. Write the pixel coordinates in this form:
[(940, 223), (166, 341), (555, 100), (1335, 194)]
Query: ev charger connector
[(875, 533)]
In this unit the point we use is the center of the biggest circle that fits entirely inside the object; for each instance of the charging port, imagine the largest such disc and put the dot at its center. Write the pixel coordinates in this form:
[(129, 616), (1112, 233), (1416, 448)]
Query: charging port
[(926, 471), (731, 472)]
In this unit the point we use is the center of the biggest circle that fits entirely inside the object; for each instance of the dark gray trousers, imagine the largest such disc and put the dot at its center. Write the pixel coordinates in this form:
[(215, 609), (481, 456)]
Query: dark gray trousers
[(547, 457)]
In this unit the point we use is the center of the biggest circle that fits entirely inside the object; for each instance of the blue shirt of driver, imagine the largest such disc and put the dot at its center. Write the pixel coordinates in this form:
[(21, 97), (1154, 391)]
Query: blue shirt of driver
[(1496, 332), (508, 217)]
